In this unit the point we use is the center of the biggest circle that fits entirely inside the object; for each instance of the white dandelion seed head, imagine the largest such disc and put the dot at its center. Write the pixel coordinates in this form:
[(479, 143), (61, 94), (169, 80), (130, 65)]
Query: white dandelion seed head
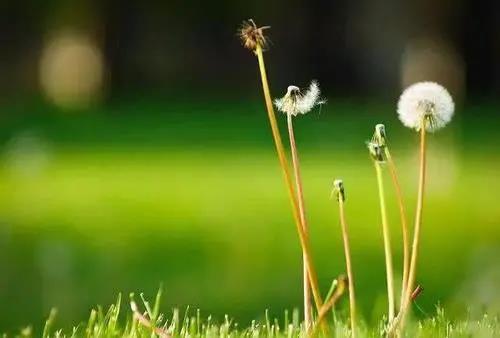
[(295, 102), (428, 102)]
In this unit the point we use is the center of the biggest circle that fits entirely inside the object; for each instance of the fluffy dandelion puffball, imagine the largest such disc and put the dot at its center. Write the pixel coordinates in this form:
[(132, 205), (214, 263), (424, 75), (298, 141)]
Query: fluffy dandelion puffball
[(428, 103), (296, 102)]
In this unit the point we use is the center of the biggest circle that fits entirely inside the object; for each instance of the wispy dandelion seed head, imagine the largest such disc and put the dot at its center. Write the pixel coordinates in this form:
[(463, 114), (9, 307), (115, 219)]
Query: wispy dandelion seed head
[(428, 102), (296, 102)]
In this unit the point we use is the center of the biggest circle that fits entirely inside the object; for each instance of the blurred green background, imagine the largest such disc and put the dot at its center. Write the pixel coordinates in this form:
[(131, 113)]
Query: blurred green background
[(135, 150), (102, 203)]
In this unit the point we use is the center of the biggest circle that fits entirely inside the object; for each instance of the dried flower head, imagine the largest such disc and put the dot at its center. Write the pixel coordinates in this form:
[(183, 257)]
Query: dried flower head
[(295, 102), (251, 35), (338, 190), (428, 103)]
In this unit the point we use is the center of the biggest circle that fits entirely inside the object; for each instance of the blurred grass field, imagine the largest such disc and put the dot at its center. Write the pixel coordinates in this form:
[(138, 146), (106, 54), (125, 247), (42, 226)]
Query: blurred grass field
[(133, 194)]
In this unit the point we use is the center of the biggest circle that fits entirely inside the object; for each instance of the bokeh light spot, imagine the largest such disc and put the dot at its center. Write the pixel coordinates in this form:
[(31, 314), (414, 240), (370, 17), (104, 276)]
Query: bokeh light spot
[(72, 70)]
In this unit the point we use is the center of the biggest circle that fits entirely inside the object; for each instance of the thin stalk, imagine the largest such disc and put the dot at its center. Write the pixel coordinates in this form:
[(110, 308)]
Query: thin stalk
[(404, 224), (330, 302), (350, 276), (302, 211), (304, 240), (387, 242), (418, 224), (333, 286)]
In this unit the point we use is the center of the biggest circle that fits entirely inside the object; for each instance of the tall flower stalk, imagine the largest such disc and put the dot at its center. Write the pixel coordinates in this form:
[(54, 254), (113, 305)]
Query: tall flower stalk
[(377, 154), (338, 188), (404, 225), (292, 104), (425, 107), (380, 138), (419, 211), (302, 211), (254, 39)]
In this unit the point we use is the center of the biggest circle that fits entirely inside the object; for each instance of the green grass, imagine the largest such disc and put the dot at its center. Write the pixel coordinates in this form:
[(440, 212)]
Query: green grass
[(191, 195), (120, 321)]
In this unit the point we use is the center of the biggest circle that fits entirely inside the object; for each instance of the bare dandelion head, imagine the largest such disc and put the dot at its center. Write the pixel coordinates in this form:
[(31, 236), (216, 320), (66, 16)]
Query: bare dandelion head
[(252, 36), (296, 102), (338, 190), (428, 103)]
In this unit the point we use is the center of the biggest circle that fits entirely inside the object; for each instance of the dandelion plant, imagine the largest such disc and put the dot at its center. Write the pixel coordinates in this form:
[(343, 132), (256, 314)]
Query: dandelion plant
[(380, 138), (338, 189), (253, 39), (424, 107), (377, 153), (293, 104)]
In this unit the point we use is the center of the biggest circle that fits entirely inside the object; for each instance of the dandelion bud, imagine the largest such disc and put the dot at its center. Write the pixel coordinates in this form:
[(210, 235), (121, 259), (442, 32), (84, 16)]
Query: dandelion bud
[(376, 151), (378, 143), (338, 190), (425, 103), (379, 136)]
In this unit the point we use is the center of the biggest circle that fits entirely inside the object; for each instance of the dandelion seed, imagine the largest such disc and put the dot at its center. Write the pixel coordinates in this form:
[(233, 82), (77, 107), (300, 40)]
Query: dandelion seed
[(295, 102), (428, 102)]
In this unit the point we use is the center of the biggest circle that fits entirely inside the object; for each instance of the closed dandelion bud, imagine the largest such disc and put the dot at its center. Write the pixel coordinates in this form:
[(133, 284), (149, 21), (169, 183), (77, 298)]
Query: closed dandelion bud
[(425, 103), (376, 151), (377, 145), (338, 190), (379, 136)]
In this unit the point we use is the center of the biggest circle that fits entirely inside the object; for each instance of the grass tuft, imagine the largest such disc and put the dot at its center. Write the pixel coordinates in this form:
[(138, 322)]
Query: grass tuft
[(116, 322)]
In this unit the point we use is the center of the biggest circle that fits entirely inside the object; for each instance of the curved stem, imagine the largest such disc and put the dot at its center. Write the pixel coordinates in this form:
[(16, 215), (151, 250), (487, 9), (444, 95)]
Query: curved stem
[(304, 240), (350, 276), (330, 302), (387, 242), (404, 224), (302, 212)]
